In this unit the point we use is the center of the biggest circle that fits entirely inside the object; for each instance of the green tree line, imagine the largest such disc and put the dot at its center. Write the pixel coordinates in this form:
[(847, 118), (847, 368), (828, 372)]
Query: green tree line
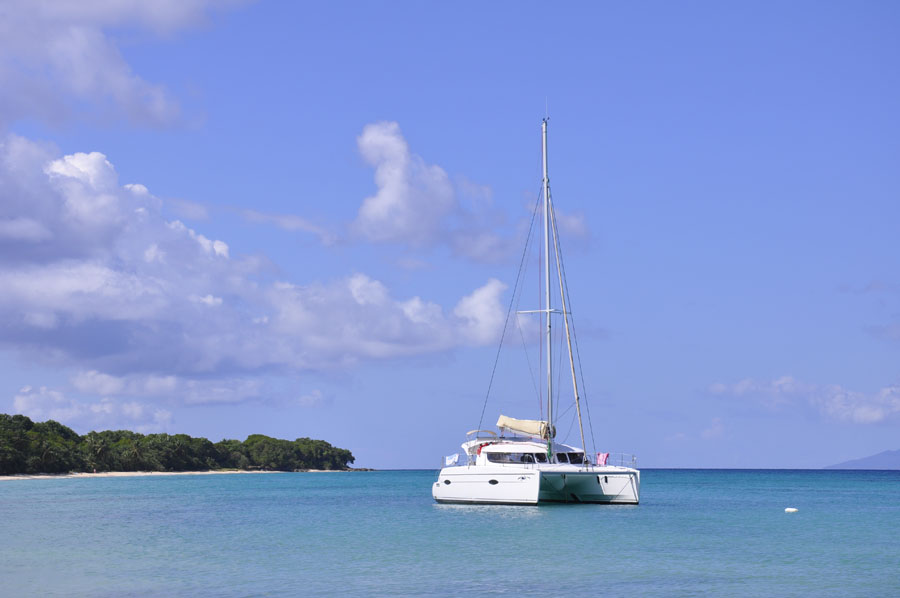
[(50, 447)]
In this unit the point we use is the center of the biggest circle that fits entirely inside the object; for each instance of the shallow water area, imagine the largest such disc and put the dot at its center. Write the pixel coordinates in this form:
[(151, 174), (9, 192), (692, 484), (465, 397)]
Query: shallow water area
[(696, 532)]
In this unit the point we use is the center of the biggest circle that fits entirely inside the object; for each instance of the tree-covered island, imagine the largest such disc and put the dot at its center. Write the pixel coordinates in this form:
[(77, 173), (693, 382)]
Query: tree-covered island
[(27, 447)]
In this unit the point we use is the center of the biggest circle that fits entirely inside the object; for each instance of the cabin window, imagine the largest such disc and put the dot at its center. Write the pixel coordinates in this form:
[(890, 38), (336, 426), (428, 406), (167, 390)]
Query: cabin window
[(541, 458), (447, 482), (510, 457), (562, 458), (576, 458)]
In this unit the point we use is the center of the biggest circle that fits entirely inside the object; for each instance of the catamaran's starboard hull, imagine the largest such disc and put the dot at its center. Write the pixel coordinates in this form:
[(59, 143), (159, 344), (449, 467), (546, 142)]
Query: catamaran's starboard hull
[(532, 486)]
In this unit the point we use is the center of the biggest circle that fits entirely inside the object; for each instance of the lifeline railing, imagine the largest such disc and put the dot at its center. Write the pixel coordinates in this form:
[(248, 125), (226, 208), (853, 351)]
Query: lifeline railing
[(622, 459)]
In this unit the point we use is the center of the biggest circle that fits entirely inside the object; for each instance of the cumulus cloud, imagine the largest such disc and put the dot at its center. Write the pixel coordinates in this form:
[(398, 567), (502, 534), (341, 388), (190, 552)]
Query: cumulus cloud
[(59, 57), (417, 205), (481, 312), (413, 197), (831, 400), (144, 307), (357, 318)]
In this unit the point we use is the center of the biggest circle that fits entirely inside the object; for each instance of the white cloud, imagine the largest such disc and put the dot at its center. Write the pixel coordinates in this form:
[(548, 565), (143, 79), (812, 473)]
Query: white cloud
[(79, 290), (412, 198), (860, 408), (162, 16), (154, 254), (150, 309), (482, 313), (23, 229), (93, 169), (833, 400), (192, 391), (367, 291), (219, 248), (416, 204), (59, 58), (44, 403), (95, 382), (357, 318)]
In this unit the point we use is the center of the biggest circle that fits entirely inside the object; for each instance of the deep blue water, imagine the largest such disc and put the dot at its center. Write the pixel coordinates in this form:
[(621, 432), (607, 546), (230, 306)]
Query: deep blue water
[(695, 533)]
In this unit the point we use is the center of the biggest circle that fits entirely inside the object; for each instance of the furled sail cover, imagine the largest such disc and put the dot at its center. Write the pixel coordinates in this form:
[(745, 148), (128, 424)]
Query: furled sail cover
[(532, 427)]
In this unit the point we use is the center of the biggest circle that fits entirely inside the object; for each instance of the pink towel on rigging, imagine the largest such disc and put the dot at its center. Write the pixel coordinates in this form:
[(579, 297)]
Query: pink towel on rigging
[(601, 458)]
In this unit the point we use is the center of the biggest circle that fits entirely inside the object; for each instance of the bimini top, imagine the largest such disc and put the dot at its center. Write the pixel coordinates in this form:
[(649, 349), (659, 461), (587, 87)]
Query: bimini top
[(532, 427)]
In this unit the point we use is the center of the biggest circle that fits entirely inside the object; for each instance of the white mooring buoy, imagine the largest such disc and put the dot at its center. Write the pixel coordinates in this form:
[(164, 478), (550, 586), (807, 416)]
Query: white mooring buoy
[(790, 510)]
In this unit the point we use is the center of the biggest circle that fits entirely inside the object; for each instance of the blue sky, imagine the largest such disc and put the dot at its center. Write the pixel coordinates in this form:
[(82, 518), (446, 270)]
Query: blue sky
[(304, 219)]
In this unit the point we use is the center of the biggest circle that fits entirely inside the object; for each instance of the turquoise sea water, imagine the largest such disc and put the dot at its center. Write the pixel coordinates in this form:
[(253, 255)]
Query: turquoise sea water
[(695, 533)]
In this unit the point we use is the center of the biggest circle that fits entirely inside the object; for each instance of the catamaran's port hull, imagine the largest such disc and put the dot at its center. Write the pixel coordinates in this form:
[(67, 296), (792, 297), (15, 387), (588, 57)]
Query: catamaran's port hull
[(527, 486)]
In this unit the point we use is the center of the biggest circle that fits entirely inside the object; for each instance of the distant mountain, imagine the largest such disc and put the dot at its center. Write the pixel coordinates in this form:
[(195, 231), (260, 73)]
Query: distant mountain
[(885, 460)]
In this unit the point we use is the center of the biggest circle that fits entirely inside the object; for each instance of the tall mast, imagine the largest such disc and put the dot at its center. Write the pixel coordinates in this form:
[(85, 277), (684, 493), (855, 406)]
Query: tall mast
[(547, 278)]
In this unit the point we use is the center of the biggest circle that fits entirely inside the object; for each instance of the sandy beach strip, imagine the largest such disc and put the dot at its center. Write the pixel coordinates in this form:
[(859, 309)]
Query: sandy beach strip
[(123, 474), (131, 474)]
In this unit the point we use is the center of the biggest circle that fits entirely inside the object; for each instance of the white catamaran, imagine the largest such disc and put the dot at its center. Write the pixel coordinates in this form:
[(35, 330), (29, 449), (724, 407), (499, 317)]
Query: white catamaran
[(529, 467)]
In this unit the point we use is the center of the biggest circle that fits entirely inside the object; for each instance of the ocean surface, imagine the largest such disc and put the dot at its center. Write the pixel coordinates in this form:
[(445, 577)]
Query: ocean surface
[(695, 533)]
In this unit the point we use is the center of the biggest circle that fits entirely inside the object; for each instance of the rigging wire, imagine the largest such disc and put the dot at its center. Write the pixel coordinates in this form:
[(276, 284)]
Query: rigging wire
[(521, 289), (529, 244), (559, 354), (566, 309), (571, 424), (575, 339), (508, 312)]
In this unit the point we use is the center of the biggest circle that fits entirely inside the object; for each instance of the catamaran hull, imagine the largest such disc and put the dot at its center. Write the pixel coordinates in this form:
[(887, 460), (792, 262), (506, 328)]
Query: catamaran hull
[(468, 485), (526, 486)]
